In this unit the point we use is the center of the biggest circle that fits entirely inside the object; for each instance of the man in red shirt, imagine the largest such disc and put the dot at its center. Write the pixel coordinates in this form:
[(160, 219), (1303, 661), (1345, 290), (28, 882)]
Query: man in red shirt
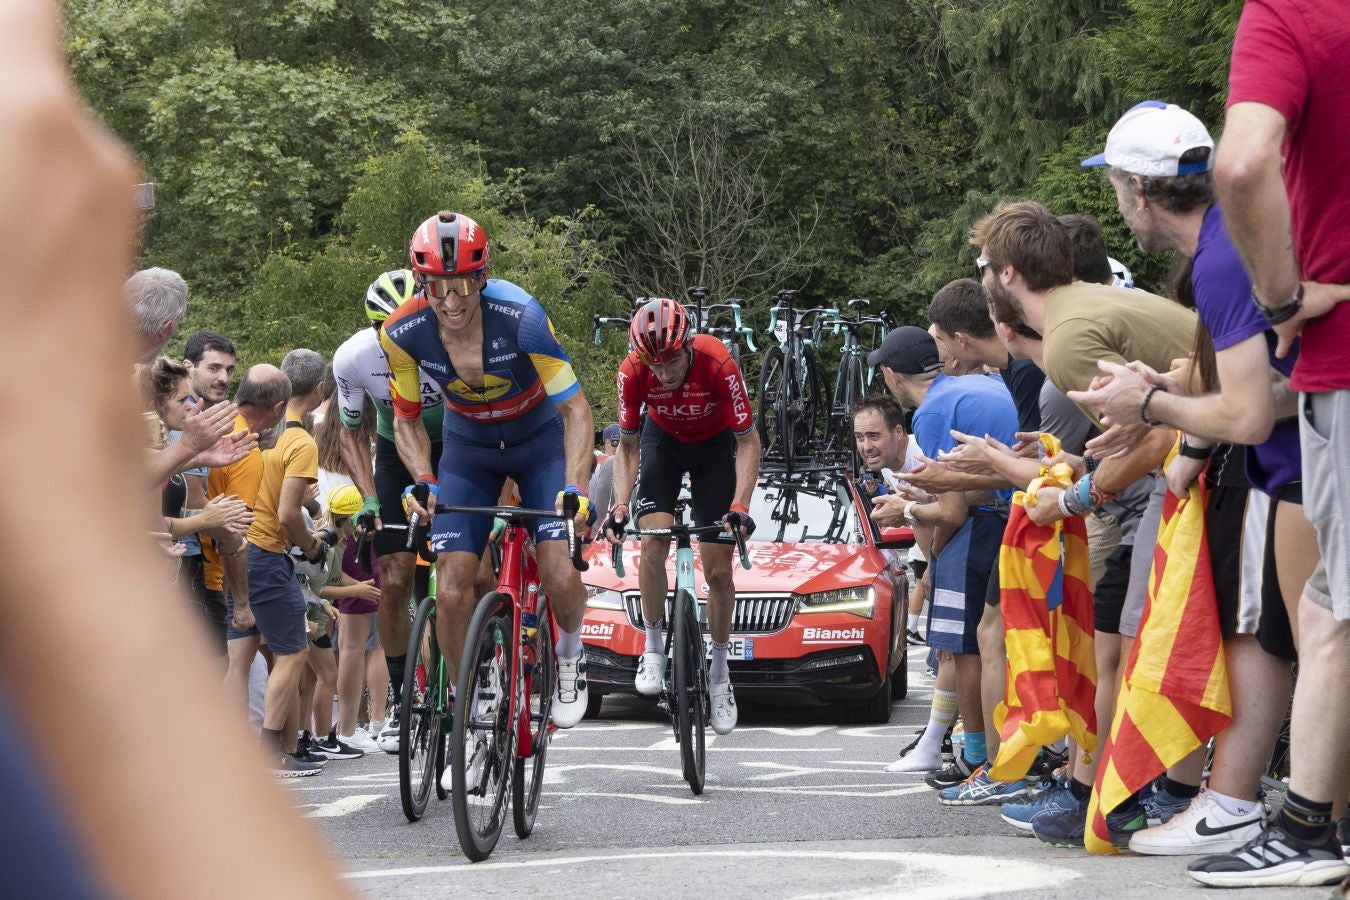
[(1280, 173), (698, 420)]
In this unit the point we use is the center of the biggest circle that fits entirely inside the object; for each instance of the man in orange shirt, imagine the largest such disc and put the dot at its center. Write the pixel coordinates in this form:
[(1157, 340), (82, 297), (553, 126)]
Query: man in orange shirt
[(261, 399), (274, 595)]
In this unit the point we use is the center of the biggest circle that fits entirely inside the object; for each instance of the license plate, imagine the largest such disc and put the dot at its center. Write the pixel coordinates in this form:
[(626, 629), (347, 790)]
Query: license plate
[(741, 648)]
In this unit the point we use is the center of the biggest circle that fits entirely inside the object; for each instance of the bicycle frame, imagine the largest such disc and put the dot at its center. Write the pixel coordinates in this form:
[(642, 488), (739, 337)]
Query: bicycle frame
[(518, 580)]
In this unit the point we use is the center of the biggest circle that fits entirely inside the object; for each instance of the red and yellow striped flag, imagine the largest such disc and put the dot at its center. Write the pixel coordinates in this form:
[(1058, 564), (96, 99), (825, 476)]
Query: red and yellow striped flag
[(1174, 696), (1046, 598)]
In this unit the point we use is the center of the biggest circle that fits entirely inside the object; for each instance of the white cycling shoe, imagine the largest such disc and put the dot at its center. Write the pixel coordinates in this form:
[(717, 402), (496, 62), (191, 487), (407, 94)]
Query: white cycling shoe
[(651, 673), (723, 706), (570, 693)]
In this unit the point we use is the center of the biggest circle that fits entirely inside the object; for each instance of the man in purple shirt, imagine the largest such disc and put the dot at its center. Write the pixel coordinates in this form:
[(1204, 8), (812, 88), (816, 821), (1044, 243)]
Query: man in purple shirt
[(1158, 163)]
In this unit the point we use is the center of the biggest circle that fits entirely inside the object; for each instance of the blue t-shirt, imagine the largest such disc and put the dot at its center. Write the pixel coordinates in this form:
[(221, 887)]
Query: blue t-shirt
[(969, 404), (1223, 298)]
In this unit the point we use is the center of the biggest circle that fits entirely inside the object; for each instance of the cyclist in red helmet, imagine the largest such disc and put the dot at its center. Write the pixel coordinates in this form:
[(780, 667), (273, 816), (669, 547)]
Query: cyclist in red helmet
[(513, 409), (698, 420)]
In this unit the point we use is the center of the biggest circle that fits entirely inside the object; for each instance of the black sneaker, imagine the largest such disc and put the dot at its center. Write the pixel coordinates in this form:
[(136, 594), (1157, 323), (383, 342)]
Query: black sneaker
[(1274, 857), (1044, 765), (955, 772), (305, 749), (289, 767), (914, 639), (332, 748)]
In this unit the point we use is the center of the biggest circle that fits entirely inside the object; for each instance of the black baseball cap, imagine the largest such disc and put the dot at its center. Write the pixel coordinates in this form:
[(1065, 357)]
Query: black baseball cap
[(908, 350)]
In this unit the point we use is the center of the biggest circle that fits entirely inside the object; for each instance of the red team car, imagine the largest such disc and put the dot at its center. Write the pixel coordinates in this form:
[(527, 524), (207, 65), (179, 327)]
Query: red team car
[(819, 617)]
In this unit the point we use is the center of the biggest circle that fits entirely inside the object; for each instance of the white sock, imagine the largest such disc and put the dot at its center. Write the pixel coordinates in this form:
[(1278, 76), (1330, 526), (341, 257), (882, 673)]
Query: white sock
[(655, 642), (914, 622), (1232, 805), (718, 672), (568, 643)]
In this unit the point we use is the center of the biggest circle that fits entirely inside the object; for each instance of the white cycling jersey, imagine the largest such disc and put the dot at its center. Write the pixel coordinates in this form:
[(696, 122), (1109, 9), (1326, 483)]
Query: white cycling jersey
[(361, 370)]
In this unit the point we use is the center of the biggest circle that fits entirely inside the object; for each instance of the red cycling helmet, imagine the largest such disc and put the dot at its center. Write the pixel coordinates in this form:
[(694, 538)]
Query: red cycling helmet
[(659, 330), (449, 244)]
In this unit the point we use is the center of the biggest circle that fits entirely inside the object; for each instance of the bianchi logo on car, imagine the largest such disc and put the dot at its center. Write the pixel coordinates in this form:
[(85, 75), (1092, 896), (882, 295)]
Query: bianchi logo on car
[(597, 630), (832, 635)]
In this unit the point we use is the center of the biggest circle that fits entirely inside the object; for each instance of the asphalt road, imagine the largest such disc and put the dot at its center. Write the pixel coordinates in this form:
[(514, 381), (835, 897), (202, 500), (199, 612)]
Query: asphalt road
[(795, 806)]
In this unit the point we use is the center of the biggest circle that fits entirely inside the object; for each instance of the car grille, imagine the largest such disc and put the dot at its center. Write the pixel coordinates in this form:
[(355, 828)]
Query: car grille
[(753, 613)]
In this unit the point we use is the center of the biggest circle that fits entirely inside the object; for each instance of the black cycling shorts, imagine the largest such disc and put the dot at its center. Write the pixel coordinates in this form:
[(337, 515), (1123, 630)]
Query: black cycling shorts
[(1108, 599), (662, 462), (391, 477)]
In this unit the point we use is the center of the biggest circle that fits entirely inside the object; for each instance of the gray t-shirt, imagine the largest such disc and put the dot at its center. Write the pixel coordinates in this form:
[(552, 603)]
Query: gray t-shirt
[(1060, 417)]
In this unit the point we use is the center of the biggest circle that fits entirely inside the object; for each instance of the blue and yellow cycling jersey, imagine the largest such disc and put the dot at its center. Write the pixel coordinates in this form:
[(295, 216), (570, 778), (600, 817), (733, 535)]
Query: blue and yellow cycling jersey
[(523, 365)]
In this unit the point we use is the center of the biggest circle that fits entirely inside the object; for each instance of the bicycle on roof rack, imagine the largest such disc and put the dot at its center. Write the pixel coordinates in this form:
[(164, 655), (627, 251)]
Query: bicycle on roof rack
[(791, 405), (721, 320), (854, 378)]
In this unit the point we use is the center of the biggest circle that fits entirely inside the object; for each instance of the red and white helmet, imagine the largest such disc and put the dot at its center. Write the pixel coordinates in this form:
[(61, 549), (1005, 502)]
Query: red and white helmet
[(659, 330), (449, 244)]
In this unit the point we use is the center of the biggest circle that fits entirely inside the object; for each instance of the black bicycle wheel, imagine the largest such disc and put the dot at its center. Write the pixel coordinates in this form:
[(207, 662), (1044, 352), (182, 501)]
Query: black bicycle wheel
[(767, 404), (690, 692), (420, 725), (528, 779), (481, 738), (849, 393), (807, 404)]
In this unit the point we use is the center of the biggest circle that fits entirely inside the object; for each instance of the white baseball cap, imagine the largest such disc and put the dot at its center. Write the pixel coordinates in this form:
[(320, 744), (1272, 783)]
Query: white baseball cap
[(1151, 138)]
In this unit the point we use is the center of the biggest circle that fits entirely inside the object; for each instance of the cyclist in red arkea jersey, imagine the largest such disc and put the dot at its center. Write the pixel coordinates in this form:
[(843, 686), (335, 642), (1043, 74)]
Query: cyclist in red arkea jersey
[(698, 420)]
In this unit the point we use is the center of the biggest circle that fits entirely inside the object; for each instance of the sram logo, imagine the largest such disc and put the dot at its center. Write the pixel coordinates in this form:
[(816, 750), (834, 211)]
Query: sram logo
[(597, 630), (833, 634)]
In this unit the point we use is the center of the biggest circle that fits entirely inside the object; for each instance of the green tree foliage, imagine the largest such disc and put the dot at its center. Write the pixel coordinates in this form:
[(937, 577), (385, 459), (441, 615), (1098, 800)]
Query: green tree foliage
[(296, 143)]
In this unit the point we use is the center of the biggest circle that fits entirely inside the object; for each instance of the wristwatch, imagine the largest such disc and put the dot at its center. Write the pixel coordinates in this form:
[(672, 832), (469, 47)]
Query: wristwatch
[(1274, 315), (1190, 452), (908, 512)]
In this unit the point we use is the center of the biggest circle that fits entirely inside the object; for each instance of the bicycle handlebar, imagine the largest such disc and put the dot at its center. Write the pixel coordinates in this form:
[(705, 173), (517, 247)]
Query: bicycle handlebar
[(616, 552), (516, 515)]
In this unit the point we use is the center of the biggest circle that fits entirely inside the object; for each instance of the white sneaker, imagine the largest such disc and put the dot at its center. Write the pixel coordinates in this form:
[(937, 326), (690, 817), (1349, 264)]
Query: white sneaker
[(1203, 827), (651, 673), (359, 740), (387, 739), (723, 706), (569, 694)]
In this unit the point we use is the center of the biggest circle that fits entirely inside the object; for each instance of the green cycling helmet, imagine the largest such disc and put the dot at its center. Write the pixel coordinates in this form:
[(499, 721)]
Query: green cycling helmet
[(388, 292)]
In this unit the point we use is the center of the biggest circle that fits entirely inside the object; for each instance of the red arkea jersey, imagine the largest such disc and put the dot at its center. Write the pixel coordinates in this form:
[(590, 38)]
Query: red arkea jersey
[(711, 399)]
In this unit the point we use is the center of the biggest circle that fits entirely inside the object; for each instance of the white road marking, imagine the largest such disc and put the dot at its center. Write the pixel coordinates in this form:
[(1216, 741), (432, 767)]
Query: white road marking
[(649, 798), (673, 748), (797, 771), (920, 876), (341, 807)]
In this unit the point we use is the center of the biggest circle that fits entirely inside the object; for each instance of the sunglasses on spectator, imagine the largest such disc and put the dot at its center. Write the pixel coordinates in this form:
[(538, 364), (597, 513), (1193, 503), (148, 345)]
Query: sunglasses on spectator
[(980, 265)]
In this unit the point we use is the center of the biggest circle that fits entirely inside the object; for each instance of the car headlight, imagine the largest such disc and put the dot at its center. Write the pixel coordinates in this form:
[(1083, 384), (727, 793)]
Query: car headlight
[(603, 598), (857, 601)]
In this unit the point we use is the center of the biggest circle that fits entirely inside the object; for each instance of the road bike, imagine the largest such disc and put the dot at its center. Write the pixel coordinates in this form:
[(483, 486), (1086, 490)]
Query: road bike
[(500, 727), (790, 403), (854, 376), (722, 321), (684, 693)]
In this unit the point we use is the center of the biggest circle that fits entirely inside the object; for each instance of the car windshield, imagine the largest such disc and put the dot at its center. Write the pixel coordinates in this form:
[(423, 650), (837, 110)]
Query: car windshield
[(801, 511)]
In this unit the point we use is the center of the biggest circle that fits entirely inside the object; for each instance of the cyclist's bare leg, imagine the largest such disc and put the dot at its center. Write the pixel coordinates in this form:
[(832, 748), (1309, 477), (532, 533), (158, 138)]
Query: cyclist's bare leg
[(486, 580), (351, 667), (394, 623), (282, 696), (455, 574), (241, 652), (717, 571), (1260, 684), (561, 584), (652, 580)]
